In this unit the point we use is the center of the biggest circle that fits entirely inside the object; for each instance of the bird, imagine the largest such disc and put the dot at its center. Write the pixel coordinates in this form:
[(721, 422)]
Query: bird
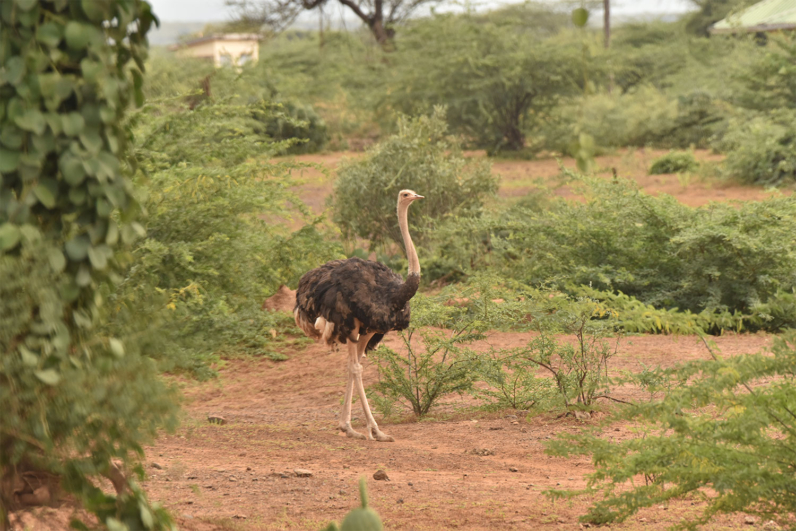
[(355, 302)]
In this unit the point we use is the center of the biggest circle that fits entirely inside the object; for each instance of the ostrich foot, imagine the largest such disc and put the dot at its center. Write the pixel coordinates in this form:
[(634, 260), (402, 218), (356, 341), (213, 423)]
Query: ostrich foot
[(350, 432), (375, 433)]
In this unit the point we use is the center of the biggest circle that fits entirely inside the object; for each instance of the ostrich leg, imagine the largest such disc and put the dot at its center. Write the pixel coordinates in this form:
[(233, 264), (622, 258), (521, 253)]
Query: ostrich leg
[(373, 431), (345, 414)]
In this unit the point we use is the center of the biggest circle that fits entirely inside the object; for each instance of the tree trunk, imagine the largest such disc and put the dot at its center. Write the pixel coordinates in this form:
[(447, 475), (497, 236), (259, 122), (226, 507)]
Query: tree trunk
[(514, 138), (607, 22), (379, 32)]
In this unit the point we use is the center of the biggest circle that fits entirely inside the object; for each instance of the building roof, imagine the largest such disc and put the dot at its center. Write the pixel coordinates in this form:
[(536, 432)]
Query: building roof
[(224, 37), (768, 15)]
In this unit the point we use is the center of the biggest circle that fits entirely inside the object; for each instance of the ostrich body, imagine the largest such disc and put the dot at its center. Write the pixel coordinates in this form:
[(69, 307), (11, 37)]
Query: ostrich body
[(355, 302)]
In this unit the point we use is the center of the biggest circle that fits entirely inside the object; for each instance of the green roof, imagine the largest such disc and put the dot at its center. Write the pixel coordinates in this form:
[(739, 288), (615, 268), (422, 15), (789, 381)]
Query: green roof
[(768, 15)]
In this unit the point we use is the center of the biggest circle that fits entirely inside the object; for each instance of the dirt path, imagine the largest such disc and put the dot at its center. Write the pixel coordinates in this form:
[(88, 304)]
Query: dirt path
[(518, 177), (282, 416)]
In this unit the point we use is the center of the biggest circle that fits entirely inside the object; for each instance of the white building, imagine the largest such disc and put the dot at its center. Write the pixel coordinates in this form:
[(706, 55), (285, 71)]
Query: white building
[(222, 49)]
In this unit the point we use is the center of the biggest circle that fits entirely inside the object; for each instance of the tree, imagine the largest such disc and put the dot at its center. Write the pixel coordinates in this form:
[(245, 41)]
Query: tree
[(497, 82), (379, 16), (711, 11), (77, 403)]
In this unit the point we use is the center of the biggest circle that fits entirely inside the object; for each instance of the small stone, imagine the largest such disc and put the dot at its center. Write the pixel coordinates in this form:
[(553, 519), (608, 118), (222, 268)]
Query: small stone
[(248, 468), (209, 487), (513, 469), (216, 419), (642, 519), (233, 478), (284, 475), (400, 500), (410, 483), (558, 484), (303, 473), (380, 475), (570, 479), (240, 516), (342, 492), (157, 466), (582, 415), (514, 422), (187, 516), (561, 521), (749, 520), (617, 429)]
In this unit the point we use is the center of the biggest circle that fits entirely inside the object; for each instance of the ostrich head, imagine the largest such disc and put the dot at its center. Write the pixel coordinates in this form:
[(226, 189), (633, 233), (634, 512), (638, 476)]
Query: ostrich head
[(406, 197)]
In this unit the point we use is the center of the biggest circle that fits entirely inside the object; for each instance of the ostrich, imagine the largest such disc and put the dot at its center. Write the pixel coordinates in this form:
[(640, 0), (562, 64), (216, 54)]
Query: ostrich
[(356, 302)]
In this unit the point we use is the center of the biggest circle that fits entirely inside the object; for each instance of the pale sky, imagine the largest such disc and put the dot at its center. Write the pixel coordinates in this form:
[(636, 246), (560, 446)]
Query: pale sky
[(216, 11)]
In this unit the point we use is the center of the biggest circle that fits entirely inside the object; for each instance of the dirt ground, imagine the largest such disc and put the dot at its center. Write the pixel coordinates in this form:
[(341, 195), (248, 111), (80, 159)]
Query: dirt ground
[(518, 177), (281, 416)]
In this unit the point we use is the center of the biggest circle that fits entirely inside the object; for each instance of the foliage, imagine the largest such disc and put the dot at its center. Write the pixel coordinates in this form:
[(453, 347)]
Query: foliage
[(497, 83), (73, 398), (724, 426), (580, 371), (217, 241), (711, 11), (720, 261), (420, 157), (511, 381), (643, 117), (769, 82), (444, 365), (760, 149), (674, 162), (302, 123)]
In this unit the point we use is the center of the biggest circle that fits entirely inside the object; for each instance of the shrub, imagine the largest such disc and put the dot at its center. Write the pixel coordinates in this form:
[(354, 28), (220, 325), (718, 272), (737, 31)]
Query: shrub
[(724, 426), (213, 251), (443, 365), (298, 122), (419, 157), (760, 149), (674, 162), (719, 260)]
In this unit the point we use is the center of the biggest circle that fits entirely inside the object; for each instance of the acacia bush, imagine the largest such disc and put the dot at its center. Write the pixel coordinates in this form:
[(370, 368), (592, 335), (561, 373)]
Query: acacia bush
[(216, 242), (725, 426), (718, 260), (421, 157), (78, 403)]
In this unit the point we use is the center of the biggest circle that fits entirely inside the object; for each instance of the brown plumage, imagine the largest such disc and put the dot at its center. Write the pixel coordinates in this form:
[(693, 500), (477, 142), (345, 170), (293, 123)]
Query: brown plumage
[(343, 290), (356, 302)]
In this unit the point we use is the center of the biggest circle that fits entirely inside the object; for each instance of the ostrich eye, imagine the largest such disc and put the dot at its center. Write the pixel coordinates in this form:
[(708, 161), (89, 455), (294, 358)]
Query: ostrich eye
[(406, 195)]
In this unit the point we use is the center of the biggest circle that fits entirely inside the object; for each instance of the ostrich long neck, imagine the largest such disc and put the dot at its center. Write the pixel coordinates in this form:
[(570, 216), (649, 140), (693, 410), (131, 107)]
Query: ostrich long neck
[(411, 253)]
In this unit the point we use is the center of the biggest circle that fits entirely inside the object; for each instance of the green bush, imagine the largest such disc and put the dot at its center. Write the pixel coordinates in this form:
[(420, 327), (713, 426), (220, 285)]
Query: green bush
[(724, 426), (761, 149), (213, 250), (674, 162), (718, 260), (300, 122), (420, 157)]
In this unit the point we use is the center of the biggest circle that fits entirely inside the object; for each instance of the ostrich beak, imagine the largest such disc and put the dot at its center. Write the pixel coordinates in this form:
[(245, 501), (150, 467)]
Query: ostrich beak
[(417, 197)]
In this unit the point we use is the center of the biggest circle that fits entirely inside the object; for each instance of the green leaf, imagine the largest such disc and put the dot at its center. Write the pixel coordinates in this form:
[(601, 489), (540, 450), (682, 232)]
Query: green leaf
[(13, 72), (30, 234), (91, 69), (97, 259), (92, 141), (9, 236), (83, 277), (46, 191), (95, 10), (115, 525), (77, 35), (117, 348), (77, 248), (49, 33), (73, 123), (138, 87), (28, 358), (48, 376), (72, 170), (26, 5), (32, 120), (9, 160), (112, 236), (57, 260)]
